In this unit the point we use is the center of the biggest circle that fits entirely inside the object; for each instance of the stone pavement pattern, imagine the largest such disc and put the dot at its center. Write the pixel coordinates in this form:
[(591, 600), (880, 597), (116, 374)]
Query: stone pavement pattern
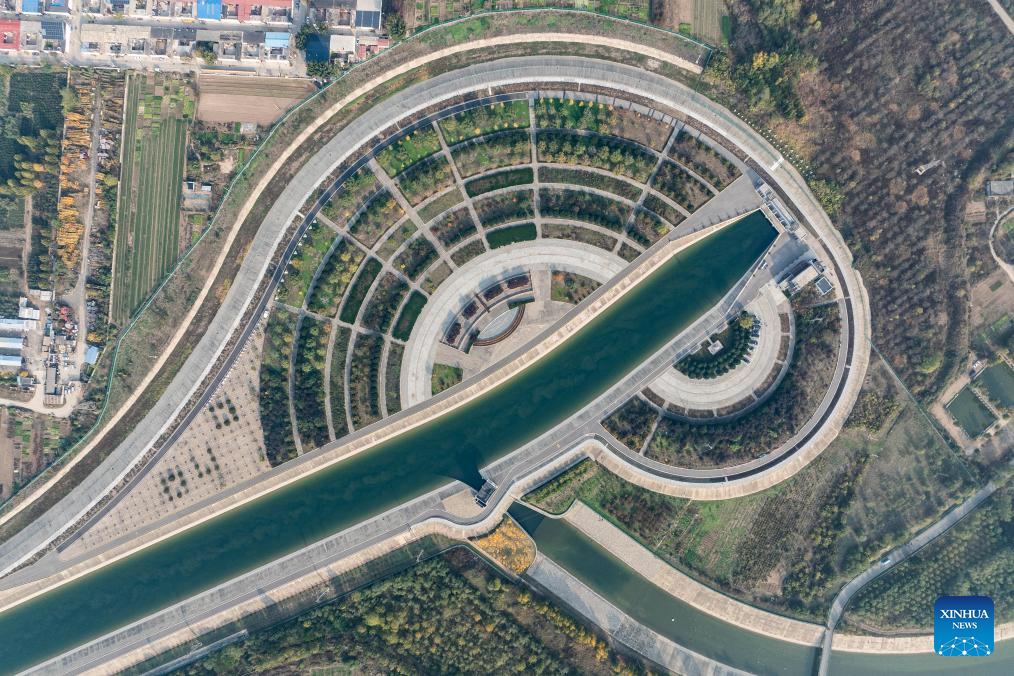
[(469, 279)]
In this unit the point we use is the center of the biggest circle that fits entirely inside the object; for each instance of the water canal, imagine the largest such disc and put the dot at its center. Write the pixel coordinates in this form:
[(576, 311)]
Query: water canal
[(616, 582), (1000, 663), (702, 633), (410, 465)]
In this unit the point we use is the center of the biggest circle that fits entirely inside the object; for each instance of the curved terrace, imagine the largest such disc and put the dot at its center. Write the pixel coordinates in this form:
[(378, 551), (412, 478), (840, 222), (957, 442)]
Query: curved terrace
[(394, 241)]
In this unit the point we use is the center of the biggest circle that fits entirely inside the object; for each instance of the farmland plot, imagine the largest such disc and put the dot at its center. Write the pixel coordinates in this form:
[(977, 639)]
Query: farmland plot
[(156, 124)]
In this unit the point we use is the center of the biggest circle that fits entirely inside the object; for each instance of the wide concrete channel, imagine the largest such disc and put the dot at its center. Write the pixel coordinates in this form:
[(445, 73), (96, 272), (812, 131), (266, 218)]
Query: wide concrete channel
[(366, 482), (455, 446)]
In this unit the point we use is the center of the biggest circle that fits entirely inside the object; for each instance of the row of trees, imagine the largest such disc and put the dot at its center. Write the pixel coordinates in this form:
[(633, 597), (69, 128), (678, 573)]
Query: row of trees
[(680, 187), (704, 160), (364, 379), (30, 142), (384, 303), (454, 227), (609, 153), (352, 195), (308, 382), (78, 105), (512, 206), (425, 178), (380, 214), (503, 149), (485, 119), (274, 387), (334, 278), (584, 206)]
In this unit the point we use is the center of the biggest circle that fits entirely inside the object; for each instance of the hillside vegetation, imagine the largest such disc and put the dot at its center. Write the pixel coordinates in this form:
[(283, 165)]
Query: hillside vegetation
[(865, 93)]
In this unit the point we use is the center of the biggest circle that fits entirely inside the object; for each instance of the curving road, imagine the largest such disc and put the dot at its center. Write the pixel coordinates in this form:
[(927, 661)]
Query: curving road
[(894, 557), (1004, 265), (479, 77)]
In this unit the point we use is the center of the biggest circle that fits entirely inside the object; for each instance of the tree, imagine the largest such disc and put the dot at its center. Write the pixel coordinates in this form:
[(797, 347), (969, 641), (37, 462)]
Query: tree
[(207, 54), (394, 24), (303, 35), (321, 69), (68, 100)]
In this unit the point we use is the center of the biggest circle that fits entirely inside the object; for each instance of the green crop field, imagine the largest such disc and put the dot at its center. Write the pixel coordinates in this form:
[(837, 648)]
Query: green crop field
[(155, 129), (970, 413)]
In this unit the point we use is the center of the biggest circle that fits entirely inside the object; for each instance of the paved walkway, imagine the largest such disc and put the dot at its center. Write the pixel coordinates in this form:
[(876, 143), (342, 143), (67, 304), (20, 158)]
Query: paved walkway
[(895, 556), (685, 588), (738, 385), (443, 306), (1004, 265)]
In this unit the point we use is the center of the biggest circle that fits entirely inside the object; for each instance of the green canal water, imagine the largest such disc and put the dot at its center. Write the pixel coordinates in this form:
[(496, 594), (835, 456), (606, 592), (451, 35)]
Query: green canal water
[(454, 446), (653, 607), (695, 630), (1000, 663)]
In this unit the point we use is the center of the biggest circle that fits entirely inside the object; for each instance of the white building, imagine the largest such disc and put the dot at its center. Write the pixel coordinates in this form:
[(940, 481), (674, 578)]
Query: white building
[(8, 362), (9, 324), (11, 343), (26, 312)]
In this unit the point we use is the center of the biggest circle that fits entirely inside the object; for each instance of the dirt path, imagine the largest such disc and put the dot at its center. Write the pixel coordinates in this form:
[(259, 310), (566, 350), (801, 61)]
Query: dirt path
[(1004, 265), (26, 249), (78, 296)]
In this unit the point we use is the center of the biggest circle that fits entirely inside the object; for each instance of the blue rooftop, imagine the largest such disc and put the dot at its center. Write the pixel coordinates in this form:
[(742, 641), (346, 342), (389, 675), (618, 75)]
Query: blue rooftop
[(30, 6), (276, 39), (209, 9)]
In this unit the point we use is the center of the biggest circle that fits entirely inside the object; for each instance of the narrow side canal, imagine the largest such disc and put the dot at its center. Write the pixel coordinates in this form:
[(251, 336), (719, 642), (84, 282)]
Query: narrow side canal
[(653, 607), (695, 630), (410, 465), (1000, 663)]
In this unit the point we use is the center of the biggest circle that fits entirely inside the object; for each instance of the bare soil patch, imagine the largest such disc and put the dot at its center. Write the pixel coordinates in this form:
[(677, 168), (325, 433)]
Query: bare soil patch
[(260, 100)]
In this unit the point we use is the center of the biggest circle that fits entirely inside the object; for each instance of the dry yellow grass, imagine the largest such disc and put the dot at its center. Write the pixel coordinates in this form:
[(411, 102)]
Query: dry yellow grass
[(508, 545)]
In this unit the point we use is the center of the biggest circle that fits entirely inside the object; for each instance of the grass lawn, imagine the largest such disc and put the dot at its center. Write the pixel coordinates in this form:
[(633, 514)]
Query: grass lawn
[(445, 377), (501, 179), (409, 313), (515, 233), (441, 204), (409, 150)]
